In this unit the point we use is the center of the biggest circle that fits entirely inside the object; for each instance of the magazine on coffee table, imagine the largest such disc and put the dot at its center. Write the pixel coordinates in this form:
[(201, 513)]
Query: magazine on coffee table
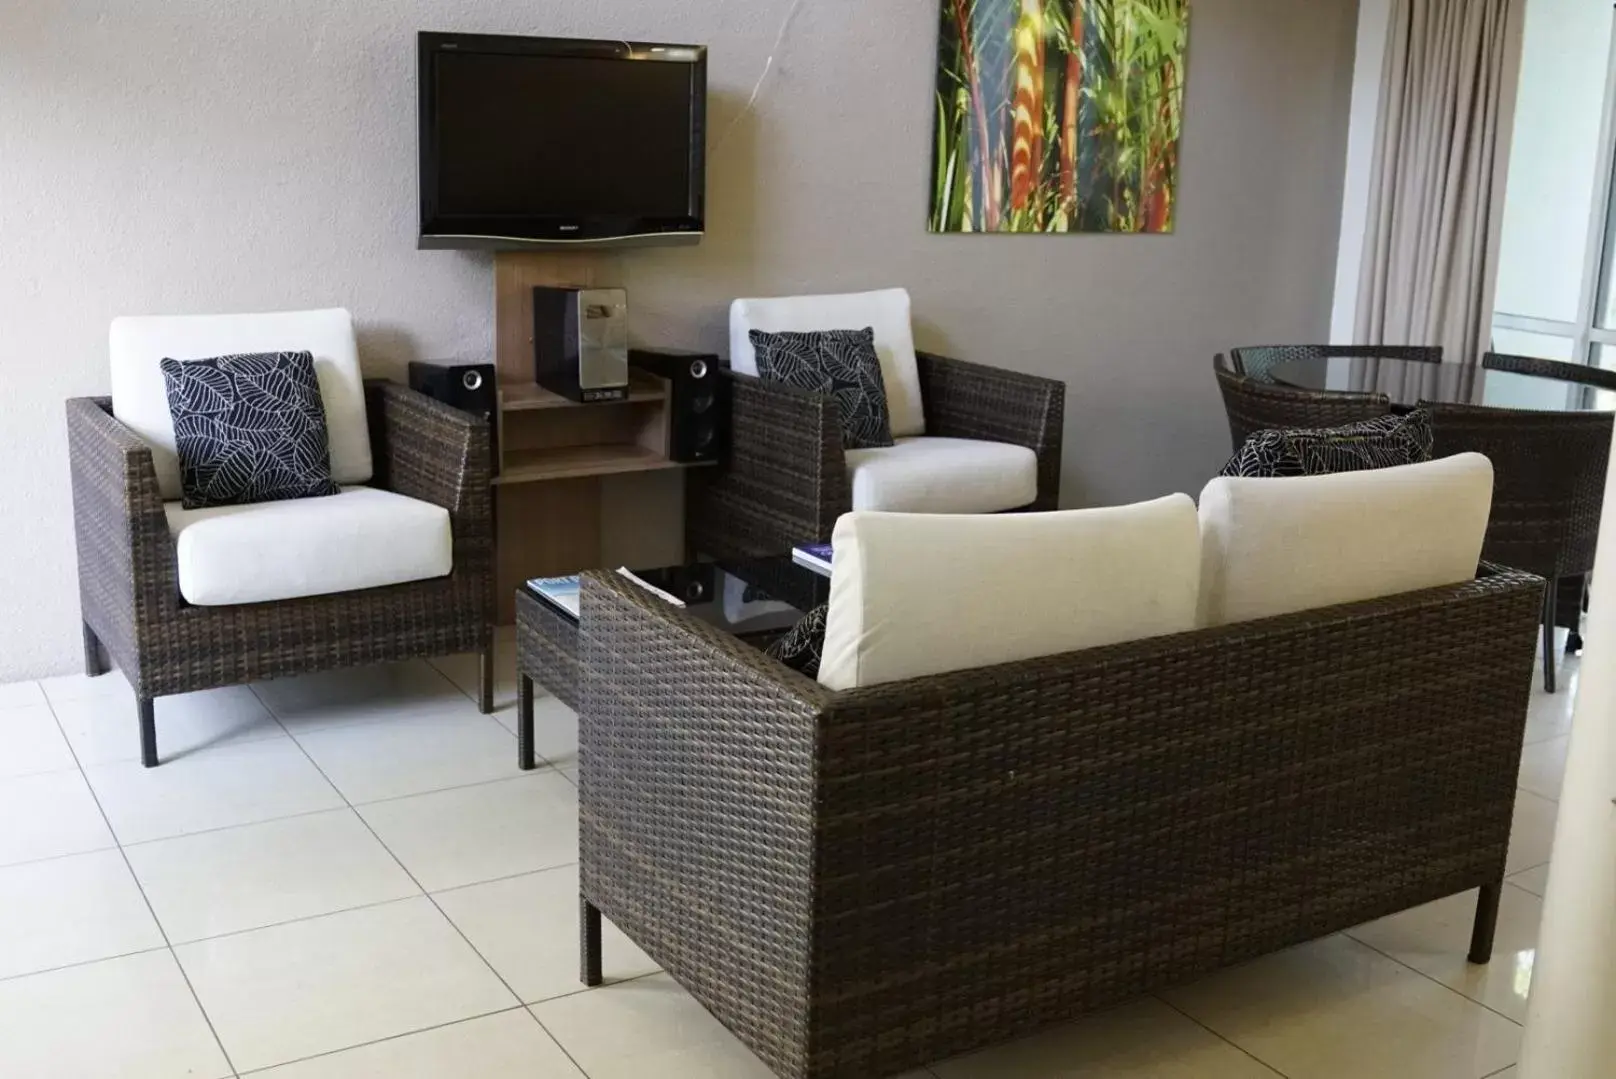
[(814, 556), (563, 592)]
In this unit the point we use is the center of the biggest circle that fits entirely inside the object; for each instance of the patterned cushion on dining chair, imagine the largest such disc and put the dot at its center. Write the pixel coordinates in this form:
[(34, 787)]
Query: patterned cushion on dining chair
[(1384, 442)]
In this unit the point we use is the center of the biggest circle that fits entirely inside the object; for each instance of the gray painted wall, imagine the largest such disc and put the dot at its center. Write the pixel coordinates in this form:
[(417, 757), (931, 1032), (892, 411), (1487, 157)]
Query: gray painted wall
[(190, 156)]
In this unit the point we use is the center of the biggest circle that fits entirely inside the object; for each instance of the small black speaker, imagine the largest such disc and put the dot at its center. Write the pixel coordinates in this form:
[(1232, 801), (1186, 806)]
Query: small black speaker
[(699, 423), (470, 387)]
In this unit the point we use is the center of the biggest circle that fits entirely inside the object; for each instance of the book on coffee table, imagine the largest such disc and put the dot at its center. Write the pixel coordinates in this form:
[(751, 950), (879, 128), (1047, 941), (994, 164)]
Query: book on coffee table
[(814, 556), (560, 592)]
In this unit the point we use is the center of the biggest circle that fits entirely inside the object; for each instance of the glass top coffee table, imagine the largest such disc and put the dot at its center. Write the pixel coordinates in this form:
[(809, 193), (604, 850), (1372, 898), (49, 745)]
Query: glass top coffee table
[(754, 599)]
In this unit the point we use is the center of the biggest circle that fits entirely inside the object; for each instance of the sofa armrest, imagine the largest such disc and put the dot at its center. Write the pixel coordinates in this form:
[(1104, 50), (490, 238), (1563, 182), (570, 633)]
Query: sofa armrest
[(972, 400), (127, 573), (696, 802), (426, 450), (784, 480)]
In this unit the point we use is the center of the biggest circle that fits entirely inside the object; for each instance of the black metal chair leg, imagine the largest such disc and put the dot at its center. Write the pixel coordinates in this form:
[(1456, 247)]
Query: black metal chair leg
[(148, 731), (525, 758), (1481, 936), (95, 655), (1550, 603), (485, 682), (589, 942)]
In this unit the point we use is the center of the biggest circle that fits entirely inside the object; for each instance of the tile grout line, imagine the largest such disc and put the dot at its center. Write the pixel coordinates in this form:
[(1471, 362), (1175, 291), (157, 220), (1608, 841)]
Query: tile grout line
[(168, 945), (382, 1041), (1235, 1045), (1435, 981), (445, 916)]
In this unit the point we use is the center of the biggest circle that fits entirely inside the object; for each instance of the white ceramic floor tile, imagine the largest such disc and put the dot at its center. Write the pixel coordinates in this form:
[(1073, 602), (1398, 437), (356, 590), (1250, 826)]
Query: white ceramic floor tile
[(20, 694), (455, 837), (1143, 1040), (412, 754), (361, 695), (555, 729), (527, 929), (1433, 939), (45, 816), (647, 1027), (128, 1018), (31, 742), (220, 789), (1534, 880), (104, 729), (72, 687), (263, 874), (1543, 767), (71, 910), (1531, 837), (1335, 1009), (510, 1045), (292, 991), (1549, 715)]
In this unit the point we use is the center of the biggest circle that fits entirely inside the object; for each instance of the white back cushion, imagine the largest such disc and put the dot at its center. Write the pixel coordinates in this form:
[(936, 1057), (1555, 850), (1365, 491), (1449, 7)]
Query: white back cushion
[(919, 594), (886, 312), (140, 399), (1274, 546)]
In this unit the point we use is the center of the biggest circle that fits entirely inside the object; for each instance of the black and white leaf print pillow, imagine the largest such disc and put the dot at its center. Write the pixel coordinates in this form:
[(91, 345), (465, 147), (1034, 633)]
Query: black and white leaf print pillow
[(249, 428), (1384, 442), (842, 364)]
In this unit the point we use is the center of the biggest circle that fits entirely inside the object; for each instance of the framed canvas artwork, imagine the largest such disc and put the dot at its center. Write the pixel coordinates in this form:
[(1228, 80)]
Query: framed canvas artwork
[(1058, 115)]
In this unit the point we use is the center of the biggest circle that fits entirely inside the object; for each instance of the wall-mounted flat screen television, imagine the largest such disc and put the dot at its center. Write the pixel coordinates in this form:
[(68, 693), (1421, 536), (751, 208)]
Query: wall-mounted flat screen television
[(534, 142)]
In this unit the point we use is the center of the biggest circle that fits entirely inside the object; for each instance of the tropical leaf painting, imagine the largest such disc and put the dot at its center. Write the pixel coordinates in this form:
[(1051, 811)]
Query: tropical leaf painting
[(1058, 115)]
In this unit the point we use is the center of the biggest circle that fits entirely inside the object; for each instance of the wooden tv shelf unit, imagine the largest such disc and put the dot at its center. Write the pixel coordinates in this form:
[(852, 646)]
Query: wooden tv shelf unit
[(561, 461)]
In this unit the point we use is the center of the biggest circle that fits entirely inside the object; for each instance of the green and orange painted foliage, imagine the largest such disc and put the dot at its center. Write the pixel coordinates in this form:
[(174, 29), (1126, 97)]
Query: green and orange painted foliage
[(1059, 115)]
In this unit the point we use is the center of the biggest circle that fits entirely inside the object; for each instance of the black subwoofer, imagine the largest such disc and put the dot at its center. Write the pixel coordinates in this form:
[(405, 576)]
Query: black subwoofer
[(699, 420), (470, 387)]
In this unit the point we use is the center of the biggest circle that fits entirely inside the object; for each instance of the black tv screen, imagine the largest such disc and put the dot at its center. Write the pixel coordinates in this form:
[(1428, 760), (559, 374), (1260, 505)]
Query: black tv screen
[(531, 141)]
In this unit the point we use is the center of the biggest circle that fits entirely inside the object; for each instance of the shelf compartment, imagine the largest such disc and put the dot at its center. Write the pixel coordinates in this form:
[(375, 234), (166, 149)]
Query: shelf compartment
[(573, 462), (531, 397)]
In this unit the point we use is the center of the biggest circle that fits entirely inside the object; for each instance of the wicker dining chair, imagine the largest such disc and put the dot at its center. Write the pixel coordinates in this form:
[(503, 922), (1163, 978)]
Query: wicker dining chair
[(1573, 590), (1256, 361), (1254, 406), (1549, 470), (1558, 369)]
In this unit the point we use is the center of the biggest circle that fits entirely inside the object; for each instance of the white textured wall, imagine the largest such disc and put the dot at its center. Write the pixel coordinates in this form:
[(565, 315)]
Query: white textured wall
[(178, 156)]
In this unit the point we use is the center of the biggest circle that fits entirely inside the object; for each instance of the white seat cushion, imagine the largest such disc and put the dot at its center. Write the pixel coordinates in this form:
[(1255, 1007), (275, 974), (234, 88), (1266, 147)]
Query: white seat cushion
[(917, 594), (943, 475), (362, 538), (886, 312), (1274, 546), (140, 398)]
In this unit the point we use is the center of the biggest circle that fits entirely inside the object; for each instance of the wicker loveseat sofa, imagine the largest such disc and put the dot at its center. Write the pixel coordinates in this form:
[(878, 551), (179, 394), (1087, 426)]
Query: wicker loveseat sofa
[(859, 882)]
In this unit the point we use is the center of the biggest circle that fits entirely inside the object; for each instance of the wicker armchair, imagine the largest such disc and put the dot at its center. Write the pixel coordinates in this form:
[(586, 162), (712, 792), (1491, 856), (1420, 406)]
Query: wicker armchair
[(128, 587), (859, 883), (1254, 406), (785, 480), (1549, 490), (1255, 361)]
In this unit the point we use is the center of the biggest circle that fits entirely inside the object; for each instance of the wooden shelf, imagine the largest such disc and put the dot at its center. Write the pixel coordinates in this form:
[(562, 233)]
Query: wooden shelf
[(573, 462), (530, 396)]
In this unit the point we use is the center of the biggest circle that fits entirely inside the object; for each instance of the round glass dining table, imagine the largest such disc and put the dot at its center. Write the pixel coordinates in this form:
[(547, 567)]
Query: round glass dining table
[(1408, 382)]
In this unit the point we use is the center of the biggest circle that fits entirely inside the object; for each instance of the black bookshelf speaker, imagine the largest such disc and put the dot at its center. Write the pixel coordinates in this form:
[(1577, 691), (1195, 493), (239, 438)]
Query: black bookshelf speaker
[(470, 387), (699, 414)]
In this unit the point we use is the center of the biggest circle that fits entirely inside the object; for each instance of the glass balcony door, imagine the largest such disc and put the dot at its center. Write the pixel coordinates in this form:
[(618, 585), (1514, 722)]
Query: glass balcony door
[(1557, 263)]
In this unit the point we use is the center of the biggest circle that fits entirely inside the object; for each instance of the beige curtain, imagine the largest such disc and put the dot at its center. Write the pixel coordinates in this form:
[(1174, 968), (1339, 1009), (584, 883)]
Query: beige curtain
[(1431, 243)]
